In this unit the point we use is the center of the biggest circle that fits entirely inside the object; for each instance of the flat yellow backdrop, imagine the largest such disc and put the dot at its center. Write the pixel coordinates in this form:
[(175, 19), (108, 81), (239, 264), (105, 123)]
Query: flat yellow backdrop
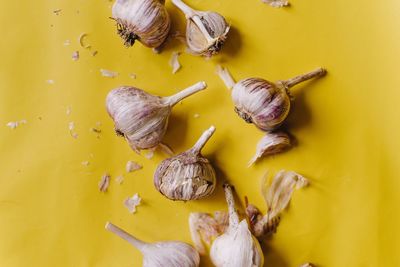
[(346, 125)]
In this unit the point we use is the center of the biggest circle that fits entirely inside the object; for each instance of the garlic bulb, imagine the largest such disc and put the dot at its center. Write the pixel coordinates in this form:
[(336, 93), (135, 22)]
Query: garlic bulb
[(142, 118), (206, 31), (160, 254), (187, 176), (144, 20), (272, 143), (237, 247), (264, 103)]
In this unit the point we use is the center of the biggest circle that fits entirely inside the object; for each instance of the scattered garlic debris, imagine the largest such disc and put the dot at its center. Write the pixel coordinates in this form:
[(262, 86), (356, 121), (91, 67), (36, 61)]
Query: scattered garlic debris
[(81, 40), (174, 62), (119, 179), (166, 149), (132, 202), (57, 11), (67, 42), (276, 3), (307, 265), (132, 75), (196, 115), (132, 166), (85, 163), (149, 154), (71, 127), (104, 182), (272, 143), (69, 110), (15, 124), (75, 55), (50, 81), (108, 73), (94, 53)]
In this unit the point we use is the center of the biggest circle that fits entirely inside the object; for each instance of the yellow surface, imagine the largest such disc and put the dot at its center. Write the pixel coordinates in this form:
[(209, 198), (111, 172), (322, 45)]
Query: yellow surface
[(347, 127)]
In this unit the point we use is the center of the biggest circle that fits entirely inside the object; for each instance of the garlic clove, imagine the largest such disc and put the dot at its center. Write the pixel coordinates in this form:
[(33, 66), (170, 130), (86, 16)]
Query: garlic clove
[(160, 254), (187, 176), (237, 247), (206, 31), (272, 143), (144, 20), (142, 118), (261, 102)]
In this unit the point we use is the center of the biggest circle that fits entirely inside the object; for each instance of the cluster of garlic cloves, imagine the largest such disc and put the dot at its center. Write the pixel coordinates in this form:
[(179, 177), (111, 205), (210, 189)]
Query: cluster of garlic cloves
[(160, 254), (206, 31), (237, 247), (142, 118), (144, 20), (187, 176)]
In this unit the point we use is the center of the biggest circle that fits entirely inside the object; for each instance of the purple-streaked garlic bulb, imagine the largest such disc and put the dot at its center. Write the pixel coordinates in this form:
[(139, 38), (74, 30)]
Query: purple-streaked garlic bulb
[(144, 20), (142, 118), (189, 175), (160, 254), (265, 104)]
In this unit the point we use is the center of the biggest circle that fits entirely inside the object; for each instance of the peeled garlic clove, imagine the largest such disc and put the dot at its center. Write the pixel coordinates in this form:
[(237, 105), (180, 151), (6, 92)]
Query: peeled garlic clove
[(206, 31), (144, 20), (160, 254), (237, 247), (142, 118), (261, 102), (272, 143), (187, 176)]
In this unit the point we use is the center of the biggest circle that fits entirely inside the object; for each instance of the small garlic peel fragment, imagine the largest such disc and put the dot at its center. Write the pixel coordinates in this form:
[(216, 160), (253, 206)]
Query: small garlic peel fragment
[(108, 73), (104, 182), (276, 3), (132, 166), (270, 144), (174, 62), (132, 202)]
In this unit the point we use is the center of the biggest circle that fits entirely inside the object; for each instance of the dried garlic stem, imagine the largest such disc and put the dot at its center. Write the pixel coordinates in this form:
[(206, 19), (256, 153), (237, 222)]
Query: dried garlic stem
[(304, 77), (173, 100), (124, 235), (233, 216), (226, 77), (203, 140)]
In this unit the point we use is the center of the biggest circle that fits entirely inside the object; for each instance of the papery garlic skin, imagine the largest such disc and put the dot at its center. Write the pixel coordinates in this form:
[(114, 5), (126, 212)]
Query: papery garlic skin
[(142, 118), (237, 247), (272, 143), (187, 176), (161, 254), (144, 20), (206, 31)]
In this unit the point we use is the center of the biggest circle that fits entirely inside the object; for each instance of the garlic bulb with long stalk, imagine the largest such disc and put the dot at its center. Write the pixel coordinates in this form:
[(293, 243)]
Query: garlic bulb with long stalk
[(189, 175), (265, 104), (237, 247), (144, 20), (142, 118), (160, 254), (206, 31)]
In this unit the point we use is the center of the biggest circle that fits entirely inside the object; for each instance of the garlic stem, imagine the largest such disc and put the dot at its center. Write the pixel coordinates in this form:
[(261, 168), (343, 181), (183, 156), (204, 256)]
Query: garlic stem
[(124, 235), (233, 216), (173, 100), (226, 77), (304, 77), (203, 140)]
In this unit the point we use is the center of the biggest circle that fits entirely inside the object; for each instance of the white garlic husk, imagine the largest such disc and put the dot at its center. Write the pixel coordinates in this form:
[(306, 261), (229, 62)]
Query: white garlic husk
[(160, 254), (272, 143), (144, 20), (237, 247), (206, 31), (142, 118), (261, 102), (189, 175)]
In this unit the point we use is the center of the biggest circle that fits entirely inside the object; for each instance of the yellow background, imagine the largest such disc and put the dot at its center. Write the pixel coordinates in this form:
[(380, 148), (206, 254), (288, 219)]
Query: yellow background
[(346, 124)]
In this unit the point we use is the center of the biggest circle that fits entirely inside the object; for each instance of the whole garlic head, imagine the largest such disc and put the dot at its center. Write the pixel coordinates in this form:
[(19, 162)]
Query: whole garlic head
[(142, 118), (261, 102), (237, 247), (144, 20), (187, 176), (206, 31), (160, 254)]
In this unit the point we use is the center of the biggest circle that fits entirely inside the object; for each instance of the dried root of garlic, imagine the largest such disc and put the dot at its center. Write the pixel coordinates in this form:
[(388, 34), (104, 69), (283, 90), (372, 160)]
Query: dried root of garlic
[(204, 228), (277, 197), (160, 254), (187, 176), (144, 20), (142, 118), (261, 102), (206, 31), (272, 143), (237, 247), (277, 3)]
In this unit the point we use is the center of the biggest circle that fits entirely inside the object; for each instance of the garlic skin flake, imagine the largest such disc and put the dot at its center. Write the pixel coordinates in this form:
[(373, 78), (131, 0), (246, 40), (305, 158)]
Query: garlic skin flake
[(187, 176), (132, 202), (132, 166), (142, 118), (174, 62), (144, 20), (277, 197), (237, 247), (276, 3), (261, 102), (104, 182), (206, 31), (160, 254), (272, 143)]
